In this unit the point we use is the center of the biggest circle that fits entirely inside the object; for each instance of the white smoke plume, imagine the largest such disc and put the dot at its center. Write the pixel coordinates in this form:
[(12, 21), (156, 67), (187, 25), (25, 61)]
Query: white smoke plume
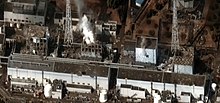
[(143, 42), (84, 23), (80, 5), (85, 26)]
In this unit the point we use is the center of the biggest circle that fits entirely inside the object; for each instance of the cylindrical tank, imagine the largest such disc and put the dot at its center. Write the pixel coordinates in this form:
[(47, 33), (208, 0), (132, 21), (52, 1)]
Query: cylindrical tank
[(0, 30), (11, 24), (48, 90), (18, 25), (103, 96)]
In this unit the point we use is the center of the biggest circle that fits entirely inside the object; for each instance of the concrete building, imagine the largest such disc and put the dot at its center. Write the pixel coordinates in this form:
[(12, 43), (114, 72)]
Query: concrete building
[(25, 11), (146, 50), (60, 18), (184, 64), (133, 91), (186, 3)]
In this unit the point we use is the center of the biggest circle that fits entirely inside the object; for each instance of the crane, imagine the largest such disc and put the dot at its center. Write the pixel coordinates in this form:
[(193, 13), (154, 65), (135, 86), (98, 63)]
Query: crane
[(68, 37)]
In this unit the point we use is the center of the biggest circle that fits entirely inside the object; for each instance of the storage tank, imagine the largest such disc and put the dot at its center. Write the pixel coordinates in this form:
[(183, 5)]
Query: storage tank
[(48, 91), (0, 30), (11, 24), (18, 25), (103, 96)]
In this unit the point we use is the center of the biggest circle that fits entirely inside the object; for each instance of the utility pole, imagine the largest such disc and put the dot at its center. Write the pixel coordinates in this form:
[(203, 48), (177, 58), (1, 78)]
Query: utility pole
[(68, 37)]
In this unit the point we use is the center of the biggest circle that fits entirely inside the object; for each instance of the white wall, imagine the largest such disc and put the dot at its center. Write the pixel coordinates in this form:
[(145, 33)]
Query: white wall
[(79, 90), (184, 69), (37, 75), (195, 90), (101, 81)]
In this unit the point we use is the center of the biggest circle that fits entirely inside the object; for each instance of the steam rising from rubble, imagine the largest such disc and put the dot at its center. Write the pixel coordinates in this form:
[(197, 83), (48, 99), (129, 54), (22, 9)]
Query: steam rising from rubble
[(80, 5), (143, 43), (85, 26), (84, 23)]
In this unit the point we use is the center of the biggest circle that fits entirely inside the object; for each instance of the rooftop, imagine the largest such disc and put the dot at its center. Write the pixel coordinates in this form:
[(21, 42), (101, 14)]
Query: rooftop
[(186, 58), (85, 67)]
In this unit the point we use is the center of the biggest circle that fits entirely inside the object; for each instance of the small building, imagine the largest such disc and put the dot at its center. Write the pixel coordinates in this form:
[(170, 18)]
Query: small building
[(36, 40), (106, 31), (22, 84), (146, 50), (25, 11), (184, 63), (60, 19), (185, 98), (79, 88), (91, 52), (110, 26), (128, 54), (132, 91)]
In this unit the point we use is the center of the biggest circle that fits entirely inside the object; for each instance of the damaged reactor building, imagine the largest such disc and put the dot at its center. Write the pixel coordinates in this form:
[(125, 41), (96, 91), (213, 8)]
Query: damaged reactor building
[(109, 51)]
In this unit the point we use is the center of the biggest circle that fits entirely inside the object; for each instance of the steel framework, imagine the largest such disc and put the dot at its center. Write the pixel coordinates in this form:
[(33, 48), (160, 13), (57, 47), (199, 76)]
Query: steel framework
[(68, 37)]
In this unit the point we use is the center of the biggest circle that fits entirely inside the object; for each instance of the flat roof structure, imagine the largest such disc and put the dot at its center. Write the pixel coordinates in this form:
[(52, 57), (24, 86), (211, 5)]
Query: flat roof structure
[(92, 68)]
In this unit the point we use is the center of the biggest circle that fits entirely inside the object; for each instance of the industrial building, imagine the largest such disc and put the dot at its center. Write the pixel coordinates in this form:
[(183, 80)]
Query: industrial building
[(115, 50), (94, 76), (25, 12)]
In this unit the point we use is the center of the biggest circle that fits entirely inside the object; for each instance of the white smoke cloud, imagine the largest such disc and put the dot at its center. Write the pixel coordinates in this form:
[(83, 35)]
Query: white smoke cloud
[(143, 42), (84, 23), (80, 5), (85, 26)]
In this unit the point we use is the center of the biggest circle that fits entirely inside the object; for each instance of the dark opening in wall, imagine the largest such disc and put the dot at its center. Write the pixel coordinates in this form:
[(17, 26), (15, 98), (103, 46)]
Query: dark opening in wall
[(112, 78), (83, 73)]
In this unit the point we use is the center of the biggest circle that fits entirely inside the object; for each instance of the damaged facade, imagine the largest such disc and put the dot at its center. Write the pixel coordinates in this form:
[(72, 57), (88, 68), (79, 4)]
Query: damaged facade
[(130, 57)]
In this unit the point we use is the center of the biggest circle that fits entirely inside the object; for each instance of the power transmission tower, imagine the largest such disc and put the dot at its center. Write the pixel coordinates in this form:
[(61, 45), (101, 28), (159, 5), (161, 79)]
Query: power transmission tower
[(68, 37), (175, 38)]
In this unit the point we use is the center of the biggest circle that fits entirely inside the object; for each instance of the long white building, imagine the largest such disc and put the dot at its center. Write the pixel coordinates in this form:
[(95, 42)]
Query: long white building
[(100, 75)]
